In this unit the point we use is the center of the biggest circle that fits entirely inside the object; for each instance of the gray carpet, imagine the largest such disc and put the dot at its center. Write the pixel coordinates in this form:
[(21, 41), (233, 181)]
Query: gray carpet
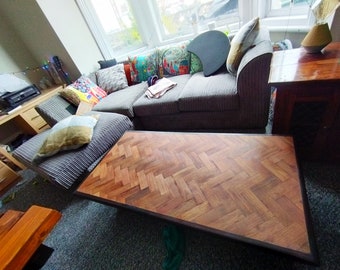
[(95, 236)]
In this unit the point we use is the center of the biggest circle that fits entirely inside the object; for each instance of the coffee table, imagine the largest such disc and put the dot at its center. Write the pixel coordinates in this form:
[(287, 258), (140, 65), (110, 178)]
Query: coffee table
[(245, 187)]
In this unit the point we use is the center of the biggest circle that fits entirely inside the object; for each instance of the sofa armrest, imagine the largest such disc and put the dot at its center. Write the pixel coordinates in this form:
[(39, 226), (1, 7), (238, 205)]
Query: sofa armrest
[(55, 109), (252, 83)]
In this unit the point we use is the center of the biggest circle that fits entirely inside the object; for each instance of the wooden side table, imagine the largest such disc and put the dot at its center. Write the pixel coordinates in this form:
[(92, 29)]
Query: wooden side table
[(21, 234), (308, 99)]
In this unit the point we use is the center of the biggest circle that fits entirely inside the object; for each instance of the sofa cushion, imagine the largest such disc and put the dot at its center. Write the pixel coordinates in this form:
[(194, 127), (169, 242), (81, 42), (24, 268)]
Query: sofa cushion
[(112, 79), (212, 48), (167, 104), (241, 42), (213, 93), (69, 167), (122, 101)]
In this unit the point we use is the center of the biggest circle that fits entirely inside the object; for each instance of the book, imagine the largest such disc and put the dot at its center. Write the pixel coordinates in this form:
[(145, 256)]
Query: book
[(160, 88)]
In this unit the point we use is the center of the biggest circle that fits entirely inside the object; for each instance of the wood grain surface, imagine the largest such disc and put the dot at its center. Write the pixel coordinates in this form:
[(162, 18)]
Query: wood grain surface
[(21, 233), (242, 186), (297, 65)]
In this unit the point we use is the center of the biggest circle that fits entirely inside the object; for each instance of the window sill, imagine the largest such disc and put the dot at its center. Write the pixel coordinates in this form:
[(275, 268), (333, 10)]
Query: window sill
[(289, 29), (294, 24)]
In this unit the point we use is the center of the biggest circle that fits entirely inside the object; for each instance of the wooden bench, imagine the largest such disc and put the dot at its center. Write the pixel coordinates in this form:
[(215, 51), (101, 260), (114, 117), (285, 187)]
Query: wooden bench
[(21, 234)]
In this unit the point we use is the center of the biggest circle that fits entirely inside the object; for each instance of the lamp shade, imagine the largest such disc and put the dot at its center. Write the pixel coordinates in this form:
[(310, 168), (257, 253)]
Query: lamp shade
[(317, 38)]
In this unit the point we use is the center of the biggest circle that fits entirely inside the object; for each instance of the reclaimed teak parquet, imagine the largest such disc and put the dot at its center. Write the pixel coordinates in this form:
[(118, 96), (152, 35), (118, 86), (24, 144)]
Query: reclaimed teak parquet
[(246, 187)]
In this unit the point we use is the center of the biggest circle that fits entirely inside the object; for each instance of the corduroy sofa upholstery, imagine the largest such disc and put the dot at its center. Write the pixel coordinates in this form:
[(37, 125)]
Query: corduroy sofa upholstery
[(221, 101), (67, 168)]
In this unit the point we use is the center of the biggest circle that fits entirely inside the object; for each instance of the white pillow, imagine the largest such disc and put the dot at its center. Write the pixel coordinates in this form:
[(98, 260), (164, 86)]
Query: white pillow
[(241, 42), (69, 133)]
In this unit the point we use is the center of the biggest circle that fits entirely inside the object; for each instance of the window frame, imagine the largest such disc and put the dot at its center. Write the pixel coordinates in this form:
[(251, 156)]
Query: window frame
[(151, 35), (295, 19), (95, 27), (287, 19), (287, 11), (164, 39)]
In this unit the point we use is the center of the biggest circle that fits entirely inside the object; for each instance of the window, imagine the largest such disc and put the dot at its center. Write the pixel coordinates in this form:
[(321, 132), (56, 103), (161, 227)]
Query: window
[(113, 25), (122, 26), (288, 7), (118, 23), (278, 4), (294, 15), (179, 18)]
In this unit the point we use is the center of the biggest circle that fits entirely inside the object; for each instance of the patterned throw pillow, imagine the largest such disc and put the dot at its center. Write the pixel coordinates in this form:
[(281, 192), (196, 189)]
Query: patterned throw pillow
[(112, 79), (173, 60), (83, 89), (143, 66), (195, 64), (241, 42), (69, 133)]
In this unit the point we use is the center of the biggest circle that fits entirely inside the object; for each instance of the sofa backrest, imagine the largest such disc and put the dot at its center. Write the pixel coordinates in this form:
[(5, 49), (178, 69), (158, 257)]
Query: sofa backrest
[(171, 60)]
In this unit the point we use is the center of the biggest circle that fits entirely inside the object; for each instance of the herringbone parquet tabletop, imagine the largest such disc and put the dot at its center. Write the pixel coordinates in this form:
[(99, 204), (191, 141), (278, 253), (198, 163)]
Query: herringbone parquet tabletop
[(242, 186)]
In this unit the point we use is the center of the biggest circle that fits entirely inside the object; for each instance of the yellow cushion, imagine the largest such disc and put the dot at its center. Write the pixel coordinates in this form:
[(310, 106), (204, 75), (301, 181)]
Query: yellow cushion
[(75, 96), (83, 89), (70, 133), (241, 42)]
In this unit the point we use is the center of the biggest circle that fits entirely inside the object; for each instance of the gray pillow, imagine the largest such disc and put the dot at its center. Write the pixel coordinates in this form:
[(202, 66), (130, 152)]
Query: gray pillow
[(212, 48), (112, 79), (107, 63)]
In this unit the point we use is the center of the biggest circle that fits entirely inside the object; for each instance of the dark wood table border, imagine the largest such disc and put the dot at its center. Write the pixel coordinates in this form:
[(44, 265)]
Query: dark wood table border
[(313, 258)]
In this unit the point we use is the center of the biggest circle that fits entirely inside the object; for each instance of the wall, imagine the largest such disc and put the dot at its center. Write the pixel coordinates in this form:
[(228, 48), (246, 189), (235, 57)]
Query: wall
[(14, 54), (47, 28), (28, 22), (67, 21), (334, 22)]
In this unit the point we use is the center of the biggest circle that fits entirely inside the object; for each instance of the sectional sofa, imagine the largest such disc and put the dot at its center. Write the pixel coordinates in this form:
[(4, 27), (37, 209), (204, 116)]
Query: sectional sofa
[(221, 101), (235, 98)]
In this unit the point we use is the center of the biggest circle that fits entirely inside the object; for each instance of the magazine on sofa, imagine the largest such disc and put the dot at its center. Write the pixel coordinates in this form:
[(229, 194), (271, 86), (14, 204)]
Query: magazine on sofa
[(160, 88)]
